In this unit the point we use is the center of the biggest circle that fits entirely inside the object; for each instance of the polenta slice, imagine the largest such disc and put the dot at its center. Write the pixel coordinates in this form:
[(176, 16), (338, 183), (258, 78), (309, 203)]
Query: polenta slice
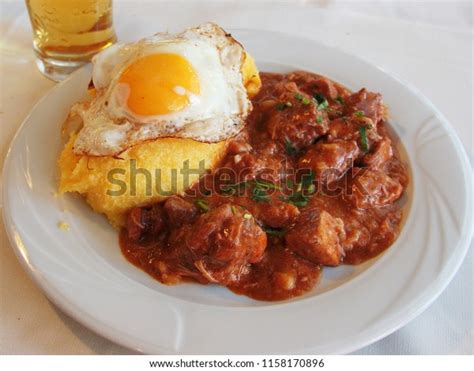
[(112, 186)]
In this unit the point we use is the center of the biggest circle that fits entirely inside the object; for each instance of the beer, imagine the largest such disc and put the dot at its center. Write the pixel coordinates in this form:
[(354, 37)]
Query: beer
[(67, 33)]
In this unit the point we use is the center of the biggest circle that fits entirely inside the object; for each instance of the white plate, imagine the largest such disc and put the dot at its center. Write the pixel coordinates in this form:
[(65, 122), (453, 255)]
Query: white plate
[(84, 273)]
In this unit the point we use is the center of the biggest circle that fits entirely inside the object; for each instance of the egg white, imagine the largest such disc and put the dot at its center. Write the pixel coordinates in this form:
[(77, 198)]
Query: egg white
[(216, 113)]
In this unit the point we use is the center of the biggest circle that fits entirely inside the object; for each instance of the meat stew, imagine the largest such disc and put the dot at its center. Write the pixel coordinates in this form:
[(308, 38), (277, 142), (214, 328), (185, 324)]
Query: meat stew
[(313, 180)]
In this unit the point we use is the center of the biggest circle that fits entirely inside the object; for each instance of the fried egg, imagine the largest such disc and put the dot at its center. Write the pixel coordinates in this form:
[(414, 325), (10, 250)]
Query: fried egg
[(186, 85)]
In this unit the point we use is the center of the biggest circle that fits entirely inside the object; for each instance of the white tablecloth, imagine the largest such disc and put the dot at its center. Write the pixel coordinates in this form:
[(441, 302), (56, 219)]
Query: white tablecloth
[(427, 44)]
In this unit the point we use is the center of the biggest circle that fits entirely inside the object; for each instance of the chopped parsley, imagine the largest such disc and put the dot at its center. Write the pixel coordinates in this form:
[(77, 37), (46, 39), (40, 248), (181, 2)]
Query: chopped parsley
[(359, 113), (306, 101), (298, 96), (320, 119), (259, 189), (300, 197), (319, 97), (323, 105), (231, 189), (283, 105), (339, 99), (274, 232), (364, 141), (307, 180), (202, 205), (322, 101), (290, 149), (264, 184), (259, 195)]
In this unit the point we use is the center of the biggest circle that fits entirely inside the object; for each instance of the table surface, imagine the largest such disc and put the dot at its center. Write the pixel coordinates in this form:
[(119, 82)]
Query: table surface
[(429, 45)]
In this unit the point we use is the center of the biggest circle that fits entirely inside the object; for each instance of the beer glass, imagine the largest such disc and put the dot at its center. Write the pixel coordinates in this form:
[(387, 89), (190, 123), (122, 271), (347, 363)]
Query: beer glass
[(67, 33)]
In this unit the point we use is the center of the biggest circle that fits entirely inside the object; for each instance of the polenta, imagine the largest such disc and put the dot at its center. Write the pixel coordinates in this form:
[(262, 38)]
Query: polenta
[(98, 178)]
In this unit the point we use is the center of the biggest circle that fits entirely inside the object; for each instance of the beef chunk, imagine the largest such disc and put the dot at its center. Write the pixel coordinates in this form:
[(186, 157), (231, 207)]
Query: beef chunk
[(278, 214), (315, 84), (368, 103), (221, 243), (179, 211), (295, 121), (248, 166), (348, 128), (357, 235), (342, 129), (326, 87), (381, 153), (317, 236), (275, 214), (280, 275), (329, 161), (374, 188), (145, 222)]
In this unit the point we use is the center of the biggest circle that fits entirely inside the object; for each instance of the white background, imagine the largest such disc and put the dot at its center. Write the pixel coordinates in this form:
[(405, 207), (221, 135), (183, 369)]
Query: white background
[(428, 44)]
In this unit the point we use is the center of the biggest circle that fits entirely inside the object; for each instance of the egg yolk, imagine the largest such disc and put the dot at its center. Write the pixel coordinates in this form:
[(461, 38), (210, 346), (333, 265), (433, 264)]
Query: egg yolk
[(159, 84)]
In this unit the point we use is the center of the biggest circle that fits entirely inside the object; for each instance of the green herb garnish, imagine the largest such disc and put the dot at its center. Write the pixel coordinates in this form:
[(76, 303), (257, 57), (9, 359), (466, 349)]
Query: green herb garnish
[(231, 189), (259, 195), (298, 199), (290, 149), (202, 204), (320, 119), (322, 101), (265, 185), (260, 189), (364, 141), (298, 96), (359, 113), (283, 105), (307, 180), (306, 101), (319, 97), (274, 232), (323, 105), (339, 99)]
